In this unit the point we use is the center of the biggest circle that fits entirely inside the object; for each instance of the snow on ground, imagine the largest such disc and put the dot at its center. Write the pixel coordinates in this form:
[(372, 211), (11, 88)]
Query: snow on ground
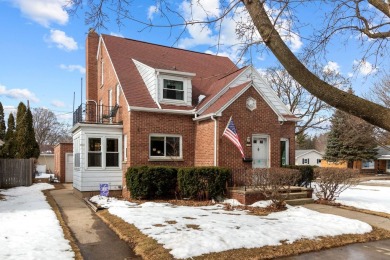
[(29, 229), (375, 198), (384, 182), (192, 231)]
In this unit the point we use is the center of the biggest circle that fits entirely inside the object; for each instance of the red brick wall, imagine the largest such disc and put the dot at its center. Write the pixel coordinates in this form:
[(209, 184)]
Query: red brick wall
[(143, 123), (59, 159), (204, 143), (262, 120)]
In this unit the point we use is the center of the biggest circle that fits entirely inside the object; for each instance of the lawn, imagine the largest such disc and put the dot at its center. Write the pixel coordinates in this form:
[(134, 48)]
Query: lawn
[(193, 231)]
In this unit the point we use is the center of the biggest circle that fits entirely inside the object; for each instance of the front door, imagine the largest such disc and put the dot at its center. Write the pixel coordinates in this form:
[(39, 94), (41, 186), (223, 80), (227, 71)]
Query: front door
[(260, 153)]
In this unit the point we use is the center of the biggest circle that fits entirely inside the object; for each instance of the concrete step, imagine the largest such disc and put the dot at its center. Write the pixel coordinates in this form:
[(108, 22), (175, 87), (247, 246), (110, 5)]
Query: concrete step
[(296, 195), (297, 202)]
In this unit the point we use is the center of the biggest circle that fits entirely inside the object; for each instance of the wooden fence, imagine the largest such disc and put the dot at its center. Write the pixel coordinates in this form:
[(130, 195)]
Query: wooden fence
[(16, 172)]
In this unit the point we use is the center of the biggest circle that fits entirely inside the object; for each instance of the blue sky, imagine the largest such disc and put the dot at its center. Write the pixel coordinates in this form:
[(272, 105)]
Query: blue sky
[(43, 55)]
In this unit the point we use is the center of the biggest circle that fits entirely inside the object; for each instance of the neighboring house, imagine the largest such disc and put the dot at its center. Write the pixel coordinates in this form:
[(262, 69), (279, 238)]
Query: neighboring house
[(380, 165), (308, 157), (148, 104)]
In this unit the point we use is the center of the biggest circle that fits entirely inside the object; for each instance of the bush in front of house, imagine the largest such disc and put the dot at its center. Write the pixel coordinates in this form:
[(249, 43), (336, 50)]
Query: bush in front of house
[(148, 182), (330, 182), (203, 182), (306, 174), (274, 183)]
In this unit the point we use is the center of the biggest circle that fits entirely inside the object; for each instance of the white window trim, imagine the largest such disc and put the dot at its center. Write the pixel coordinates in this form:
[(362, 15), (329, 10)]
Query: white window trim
[(118, 91), (186, 86), (103, 150), (371, 164), (287, 149), (166, 158)]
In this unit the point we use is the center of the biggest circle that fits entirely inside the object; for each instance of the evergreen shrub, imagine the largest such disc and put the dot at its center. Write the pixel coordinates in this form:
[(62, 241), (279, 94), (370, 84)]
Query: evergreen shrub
[(149, 182), (203, 182), (306, 174)]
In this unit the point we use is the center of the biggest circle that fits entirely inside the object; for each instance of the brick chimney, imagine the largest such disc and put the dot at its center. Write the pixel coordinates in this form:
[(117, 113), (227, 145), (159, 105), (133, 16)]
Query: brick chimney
[(91, 47)]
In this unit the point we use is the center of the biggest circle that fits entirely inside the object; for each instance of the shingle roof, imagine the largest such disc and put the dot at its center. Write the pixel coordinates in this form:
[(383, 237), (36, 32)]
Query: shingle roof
[(209, 69)]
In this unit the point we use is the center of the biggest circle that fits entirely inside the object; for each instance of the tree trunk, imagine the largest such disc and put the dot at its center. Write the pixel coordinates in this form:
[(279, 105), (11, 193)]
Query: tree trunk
[(369, 111)]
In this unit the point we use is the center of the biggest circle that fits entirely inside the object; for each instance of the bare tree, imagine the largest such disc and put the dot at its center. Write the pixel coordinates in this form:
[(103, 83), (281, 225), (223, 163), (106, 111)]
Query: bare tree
[(313, 112), (48, 131), (269, 25), (331, 182)]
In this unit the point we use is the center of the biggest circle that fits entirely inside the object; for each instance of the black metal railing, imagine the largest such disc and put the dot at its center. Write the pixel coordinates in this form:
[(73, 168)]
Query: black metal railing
[(97, 114)]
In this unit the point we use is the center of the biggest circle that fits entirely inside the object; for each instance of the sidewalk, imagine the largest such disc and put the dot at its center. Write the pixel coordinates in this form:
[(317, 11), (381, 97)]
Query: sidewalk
[(373, 220), (95, 240), (370, 250)]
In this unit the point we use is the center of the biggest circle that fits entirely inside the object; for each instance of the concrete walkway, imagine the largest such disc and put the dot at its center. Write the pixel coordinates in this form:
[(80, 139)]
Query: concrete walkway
[(370, 219), (95, 240), (370, 251)]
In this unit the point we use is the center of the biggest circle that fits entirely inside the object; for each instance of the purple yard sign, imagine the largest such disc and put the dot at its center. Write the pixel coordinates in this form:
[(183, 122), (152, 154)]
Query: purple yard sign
[(104, 190)]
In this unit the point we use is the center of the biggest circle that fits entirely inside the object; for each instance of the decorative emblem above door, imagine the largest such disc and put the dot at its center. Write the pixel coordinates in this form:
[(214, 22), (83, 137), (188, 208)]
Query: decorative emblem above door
[(251, 103)]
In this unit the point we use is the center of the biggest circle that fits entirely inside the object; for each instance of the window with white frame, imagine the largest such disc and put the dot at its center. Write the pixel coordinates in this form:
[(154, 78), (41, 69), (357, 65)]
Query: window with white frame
[(284, 148), (318, 161), (76, 152), (94, 152), (368, 164), (173, 89), (305, 161), (165, 146), (104, 152), (112, 152), (118, 91)]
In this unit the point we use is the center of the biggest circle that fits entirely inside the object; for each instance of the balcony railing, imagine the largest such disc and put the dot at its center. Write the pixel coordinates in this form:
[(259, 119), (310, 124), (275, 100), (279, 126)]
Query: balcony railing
[(91, 113)]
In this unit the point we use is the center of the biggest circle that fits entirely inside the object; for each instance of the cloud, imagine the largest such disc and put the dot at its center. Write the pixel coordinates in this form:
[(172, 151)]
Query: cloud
[(71, 68), (44, 12), (225, 35), (57, 103), (365, 68), (152, 10), (62, 40), (17, 93), (331, 66)]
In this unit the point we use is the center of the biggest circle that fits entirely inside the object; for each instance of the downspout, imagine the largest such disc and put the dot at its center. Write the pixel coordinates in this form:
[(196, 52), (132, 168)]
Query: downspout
[(215, 140)]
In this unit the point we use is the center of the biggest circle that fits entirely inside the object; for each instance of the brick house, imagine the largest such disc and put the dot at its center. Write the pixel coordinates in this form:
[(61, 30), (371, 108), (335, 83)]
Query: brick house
[(148, 104)]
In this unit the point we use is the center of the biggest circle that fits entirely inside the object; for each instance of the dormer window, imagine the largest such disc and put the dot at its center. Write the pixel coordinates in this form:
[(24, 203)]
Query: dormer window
[(173, 89)]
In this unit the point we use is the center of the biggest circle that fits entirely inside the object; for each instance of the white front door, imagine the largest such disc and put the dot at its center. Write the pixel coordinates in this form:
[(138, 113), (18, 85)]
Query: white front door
[(260, 152), (69, 167)]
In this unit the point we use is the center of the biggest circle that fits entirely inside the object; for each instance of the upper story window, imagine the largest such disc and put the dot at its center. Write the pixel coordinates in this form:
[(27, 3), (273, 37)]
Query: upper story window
[(173, 89)]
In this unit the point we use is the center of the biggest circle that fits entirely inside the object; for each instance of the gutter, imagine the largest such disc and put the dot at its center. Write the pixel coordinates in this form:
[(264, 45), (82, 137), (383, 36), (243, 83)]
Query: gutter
[(157, 110)]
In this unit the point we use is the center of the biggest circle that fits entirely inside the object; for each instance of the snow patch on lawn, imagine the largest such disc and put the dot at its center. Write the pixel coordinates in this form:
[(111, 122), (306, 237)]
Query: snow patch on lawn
[(193, 231), (29, 229), (374, 198)]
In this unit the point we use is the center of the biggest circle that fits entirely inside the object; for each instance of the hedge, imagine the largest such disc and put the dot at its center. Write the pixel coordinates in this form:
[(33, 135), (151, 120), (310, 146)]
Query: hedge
[(145, 182), (203, 182)]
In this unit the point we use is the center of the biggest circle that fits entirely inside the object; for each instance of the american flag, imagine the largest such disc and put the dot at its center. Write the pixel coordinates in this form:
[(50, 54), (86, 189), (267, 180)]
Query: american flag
[(231, 133)]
